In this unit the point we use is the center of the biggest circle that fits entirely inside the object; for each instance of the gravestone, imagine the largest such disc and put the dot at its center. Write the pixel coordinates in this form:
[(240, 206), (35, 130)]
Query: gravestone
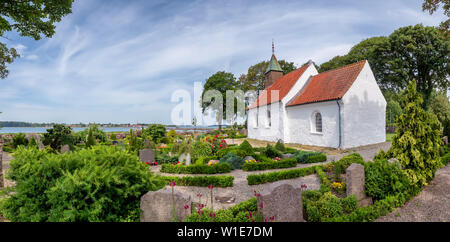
[(282, 201), (65, 149), (186, 157), (147, 155), (445, 140), (158, 206), (355, 184), (41, 145)]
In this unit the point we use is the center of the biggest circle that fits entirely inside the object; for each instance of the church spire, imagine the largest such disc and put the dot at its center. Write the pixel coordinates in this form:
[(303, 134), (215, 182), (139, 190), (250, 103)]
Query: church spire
[(273, 70)]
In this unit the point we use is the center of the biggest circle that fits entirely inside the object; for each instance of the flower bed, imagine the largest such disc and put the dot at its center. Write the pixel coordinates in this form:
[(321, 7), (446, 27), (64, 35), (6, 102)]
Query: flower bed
[(238, 213), (196, 168), (266, 165), (201, 181), (279, 175)]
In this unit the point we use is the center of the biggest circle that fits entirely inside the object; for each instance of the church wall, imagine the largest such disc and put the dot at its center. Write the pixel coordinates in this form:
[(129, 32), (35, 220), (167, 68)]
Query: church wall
[(364, 111), (262, 131), (300, 124)]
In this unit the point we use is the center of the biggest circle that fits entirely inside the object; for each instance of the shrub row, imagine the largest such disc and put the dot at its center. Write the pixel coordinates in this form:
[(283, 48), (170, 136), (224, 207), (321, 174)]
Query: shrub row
[(201, 181), (196, 168), (269, 165), (237, 213), (279, 175), (305, 157), (446, 159)]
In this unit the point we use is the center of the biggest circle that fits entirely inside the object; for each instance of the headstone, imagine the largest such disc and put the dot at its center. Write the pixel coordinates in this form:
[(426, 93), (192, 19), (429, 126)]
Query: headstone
[(282, 201), (147, 155), (158, 206), (186, 157), (41, 145), (355, 184), (445, 140), (287, 156), (65, 149)]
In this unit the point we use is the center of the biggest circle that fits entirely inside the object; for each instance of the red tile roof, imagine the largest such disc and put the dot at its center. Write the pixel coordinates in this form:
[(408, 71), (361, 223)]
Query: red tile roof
[(283, 84), (329, 85)]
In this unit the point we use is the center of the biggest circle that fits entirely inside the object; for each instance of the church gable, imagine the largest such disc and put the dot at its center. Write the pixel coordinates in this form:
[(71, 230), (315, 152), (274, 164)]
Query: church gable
[(329, 85)]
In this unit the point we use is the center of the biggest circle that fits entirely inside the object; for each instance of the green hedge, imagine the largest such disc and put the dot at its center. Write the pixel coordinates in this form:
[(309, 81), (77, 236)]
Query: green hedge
[(237, 213), (305, 157), (204, 160), (446, 159), (201, 181), (269, 165), (196, 169), (279, 175)]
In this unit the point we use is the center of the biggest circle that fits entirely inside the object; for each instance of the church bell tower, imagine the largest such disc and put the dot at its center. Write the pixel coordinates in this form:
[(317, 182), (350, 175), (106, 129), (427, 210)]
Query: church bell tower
[(273, 71)]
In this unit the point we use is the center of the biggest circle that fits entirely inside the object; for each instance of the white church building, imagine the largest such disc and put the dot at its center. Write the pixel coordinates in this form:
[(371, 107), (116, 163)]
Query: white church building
[(340, 108)]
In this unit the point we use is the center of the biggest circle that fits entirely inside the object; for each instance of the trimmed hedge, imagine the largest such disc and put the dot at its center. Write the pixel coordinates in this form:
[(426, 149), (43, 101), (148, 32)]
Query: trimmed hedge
[(204, 160), (237, 213), (279, 175), (269, 165), (201, 181), (196, 168), (445, 159), (305, 157)]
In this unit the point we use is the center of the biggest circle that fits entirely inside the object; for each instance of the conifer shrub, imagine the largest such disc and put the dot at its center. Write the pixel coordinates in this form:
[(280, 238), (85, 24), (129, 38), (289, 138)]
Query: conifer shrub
[(271, 152), (103, 183), (417, 139), (19, 139), (280, 146), (247, 148), (233, 160)]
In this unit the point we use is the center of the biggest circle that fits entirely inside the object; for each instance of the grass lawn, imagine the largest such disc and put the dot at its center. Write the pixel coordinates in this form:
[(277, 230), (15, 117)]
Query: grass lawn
[(389, 137)]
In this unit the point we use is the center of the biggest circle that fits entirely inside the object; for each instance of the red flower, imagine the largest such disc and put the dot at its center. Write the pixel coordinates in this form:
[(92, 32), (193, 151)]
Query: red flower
[(212, 215), (261, 205), (156, 163), (172, 183), (217, 136), (199, 195), (186, 207), (210, 186)]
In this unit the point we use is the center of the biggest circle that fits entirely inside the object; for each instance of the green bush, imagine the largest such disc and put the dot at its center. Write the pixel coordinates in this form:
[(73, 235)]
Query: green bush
[(201, 181), (271, 152), (164, 158), (247, 148), (233, 160), (196, 168), (155, 133), (269, 165), (7, 149), (103, 183), (237, 213), (349, 203), (280, 146), (205, 160), (385, 179), (33, 142), (302, 156), (58, 136), (316, 158), (200, 149), (97, 135), (19, 139), (279, 175), (446, 159), (289, 150)]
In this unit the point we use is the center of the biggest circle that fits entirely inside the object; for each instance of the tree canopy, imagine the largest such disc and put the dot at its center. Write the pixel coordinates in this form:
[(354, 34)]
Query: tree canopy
[(410, 53), (432, 5), (31, 18), (255, 78)]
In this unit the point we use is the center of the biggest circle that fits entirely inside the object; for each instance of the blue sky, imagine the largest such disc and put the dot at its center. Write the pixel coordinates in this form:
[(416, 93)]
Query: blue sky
[(120, 61)]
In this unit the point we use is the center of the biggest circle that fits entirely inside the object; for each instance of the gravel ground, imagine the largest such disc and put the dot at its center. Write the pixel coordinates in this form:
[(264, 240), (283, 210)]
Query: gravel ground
[(6, 159), (431, 205)]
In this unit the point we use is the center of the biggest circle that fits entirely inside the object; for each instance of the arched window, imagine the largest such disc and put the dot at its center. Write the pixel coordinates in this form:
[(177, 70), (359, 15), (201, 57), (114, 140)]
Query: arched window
[(318, 122)]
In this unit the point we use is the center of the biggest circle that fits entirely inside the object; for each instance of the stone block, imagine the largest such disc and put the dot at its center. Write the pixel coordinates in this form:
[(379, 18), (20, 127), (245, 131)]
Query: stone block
[(159, 206), (147, 155), (282, 201)]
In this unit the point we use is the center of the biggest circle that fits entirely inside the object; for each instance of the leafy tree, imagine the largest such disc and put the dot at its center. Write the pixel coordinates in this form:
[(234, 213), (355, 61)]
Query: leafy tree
[(58, 136), (441, 107), (255, 78), (20, 139), (90, 141), (432, 5), (32, 18), (98, 134), (156, 132), (417, 139), (221, 82), (393, 110), (409, 53)]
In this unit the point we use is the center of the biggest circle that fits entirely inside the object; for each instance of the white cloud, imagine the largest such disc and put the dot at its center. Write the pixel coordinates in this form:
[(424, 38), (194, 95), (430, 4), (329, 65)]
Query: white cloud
[(121, 63)]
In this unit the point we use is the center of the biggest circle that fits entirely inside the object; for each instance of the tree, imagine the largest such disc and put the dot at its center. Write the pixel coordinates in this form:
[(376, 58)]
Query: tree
[(58, 136), (441, 107), (90, 141), (255, 78), (32, 18), (221, 82), (432, 5), (393, 111), (409, 53), (417, 139), (156, 132)]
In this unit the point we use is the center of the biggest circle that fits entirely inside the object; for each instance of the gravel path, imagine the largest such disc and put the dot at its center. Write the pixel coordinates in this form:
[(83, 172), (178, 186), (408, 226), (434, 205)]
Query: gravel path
[(6, 159), (431, 205)]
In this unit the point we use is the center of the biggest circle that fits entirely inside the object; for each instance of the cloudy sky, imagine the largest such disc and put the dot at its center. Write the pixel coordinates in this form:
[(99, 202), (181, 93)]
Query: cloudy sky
[(120, 61)]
